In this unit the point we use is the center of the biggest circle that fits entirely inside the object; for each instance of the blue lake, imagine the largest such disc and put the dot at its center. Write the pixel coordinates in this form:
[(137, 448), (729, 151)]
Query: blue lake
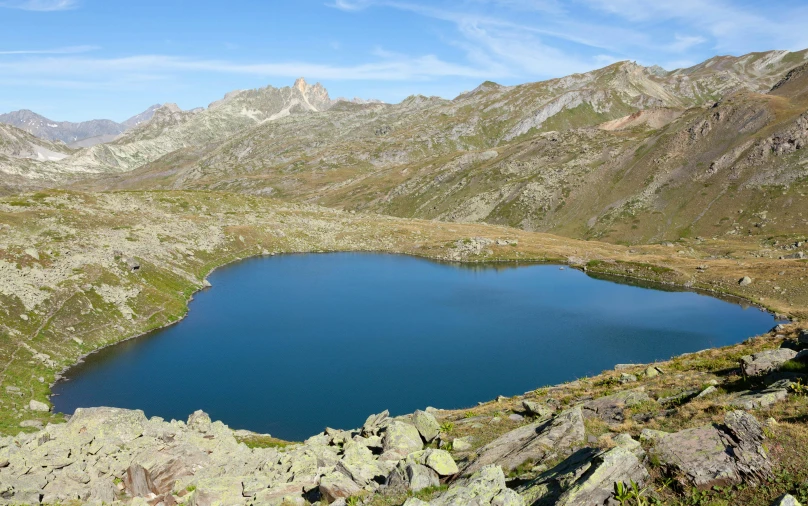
[(291, 344)]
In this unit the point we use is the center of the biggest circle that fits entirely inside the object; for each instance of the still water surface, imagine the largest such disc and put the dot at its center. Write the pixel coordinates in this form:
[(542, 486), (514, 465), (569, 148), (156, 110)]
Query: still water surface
[(291, 344)]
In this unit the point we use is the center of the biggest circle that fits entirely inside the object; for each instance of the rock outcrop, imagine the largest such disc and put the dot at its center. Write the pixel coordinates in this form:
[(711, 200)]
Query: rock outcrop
[(711, 455), (537, 442), (588, 476)]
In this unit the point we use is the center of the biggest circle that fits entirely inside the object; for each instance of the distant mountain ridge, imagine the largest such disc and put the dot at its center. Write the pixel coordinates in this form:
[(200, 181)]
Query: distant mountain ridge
[(623, 153), (100, 130)]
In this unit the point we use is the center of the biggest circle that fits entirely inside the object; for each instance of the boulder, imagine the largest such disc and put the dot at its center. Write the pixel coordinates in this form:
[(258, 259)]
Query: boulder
[(803, 336), (757, 399), (713, 455), (427, 425), (360, 465), (611, 408), (766, 361), (62, 490), (25, 489), (538, 442), (103, 490), (35, 405), (745, 281), (652, 371), (137, 481), (335, 485), (786, 500), (420, 477), (122, 424), (538, 410), (375, 423), (588, 477), (441, 462), (217, 491), (283, 494), (485, 487), (199, 421), (400, 439), (461, 444), (414, 501)]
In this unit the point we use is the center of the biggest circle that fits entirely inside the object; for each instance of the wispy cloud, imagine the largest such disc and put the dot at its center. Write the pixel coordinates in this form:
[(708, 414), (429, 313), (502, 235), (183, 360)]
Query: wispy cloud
[(57, 50), (137, 69), (40, 5)]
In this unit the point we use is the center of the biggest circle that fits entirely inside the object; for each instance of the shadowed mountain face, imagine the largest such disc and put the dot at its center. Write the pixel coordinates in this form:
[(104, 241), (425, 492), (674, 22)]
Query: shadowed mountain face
[(84, 134), (624, 153)]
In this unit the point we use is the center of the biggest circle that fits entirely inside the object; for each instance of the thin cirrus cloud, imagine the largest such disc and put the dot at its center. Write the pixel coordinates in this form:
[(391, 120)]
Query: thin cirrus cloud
[(389, 67), (40, 5), (57, 50)]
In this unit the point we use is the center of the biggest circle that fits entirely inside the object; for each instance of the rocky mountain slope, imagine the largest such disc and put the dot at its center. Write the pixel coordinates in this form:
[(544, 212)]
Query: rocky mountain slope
[(624, 153), (83, 134), (172, 129), (23, 157)]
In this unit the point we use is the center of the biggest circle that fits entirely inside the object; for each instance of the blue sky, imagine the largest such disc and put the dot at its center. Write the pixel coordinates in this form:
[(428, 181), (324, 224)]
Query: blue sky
[(84, 59)]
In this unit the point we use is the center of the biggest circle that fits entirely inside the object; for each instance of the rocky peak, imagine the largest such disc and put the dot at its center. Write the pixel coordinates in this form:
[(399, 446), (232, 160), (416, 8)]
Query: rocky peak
[(316, 95)]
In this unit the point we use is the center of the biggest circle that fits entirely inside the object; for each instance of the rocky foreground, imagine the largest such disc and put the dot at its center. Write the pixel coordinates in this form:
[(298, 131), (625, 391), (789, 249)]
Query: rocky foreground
[(591, 442)]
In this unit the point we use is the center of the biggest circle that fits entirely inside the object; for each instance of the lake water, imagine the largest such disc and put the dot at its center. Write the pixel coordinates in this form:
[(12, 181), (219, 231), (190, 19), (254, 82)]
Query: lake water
[(291, 344)]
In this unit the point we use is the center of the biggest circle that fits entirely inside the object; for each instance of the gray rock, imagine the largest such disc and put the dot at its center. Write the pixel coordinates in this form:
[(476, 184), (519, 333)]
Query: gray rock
[(399, 440), (122, 424), (218, 490), (538, 442), (461, 444), (199, 421), (588, 476), (103, 490), (611, 408), (537, 410), (31, 424), (281, 494), (24, 489), (375, 423), (360, 465), (766, 361), (421, 477), (745, 281), (627, 378), (786, 500), (716, 455), (414, 501), (485, 487), (35, 405), (335, 485), (710, 390), (757, 399), (427, 425), (652, 371), (803, 337), (137, 481), (515, 418)]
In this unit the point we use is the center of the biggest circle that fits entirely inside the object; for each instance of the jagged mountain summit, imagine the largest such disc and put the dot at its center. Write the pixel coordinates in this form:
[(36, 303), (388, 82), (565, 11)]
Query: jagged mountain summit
[(172, 129), (83, 134)]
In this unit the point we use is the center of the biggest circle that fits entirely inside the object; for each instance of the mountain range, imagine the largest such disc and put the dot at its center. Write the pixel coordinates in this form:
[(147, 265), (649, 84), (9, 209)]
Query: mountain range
[(79, 135), (625, 153)]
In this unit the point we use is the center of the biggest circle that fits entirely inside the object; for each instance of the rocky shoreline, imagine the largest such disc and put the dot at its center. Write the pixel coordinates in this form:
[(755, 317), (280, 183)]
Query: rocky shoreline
[(545, 447)]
